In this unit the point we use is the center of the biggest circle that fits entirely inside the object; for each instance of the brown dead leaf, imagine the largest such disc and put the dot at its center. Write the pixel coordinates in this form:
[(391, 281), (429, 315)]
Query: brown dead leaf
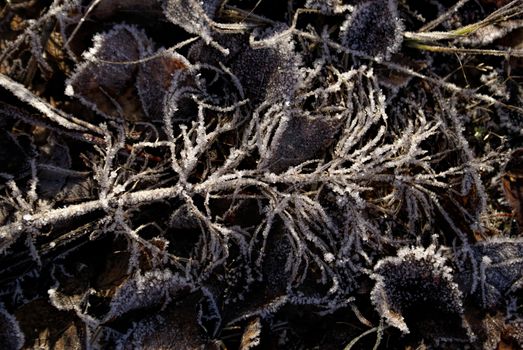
[(251, 335)]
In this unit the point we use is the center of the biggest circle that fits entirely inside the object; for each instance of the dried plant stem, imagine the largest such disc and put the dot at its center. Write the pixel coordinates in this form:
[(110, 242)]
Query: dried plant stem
[(438, 82), (436, 22), (51, 113), (378, 329), (460, 50), (506, 12), (10, 232)]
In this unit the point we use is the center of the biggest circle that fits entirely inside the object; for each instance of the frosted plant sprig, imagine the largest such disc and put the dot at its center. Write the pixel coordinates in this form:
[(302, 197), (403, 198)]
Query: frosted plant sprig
[(9, 232), (56, 9)]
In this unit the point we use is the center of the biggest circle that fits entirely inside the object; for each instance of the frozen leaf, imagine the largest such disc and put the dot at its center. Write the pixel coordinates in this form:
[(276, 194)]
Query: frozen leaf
[(299, 138), (152, 288), (101, 82), (500, 272), (11, 337), (265, 73), (415, 292), (373, 28), (154, 80), (269, 73), (174, 328)]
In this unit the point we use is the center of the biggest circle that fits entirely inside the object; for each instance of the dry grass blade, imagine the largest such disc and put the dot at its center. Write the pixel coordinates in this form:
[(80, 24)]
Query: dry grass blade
[(514, 8)]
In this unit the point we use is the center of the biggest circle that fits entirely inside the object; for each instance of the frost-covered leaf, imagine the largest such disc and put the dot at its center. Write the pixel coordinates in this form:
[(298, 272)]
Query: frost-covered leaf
[(108, 87), (174, 328), (373, 28), (269, 73), (299, 138), (152, 288), (500, 272), (266, 73), (114, 82), (415, 293), (11, 337), (154, 80)]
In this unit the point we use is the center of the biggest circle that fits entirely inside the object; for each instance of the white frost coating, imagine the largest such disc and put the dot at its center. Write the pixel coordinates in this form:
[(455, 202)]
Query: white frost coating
[(329, 257), (69, 91), (28, 97), (143, 290)]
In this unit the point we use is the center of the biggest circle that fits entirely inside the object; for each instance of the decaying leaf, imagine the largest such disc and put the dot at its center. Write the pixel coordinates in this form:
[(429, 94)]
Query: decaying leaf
[(299, 138), (251, 335)]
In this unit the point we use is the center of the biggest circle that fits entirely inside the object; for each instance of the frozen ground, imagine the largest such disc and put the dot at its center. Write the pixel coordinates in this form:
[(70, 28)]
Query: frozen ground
[(318, 174)]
